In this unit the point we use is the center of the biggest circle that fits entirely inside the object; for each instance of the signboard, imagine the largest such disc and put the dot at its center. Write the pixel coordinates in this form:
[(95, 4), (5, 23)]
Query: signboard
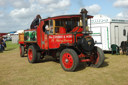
[(99, 21)]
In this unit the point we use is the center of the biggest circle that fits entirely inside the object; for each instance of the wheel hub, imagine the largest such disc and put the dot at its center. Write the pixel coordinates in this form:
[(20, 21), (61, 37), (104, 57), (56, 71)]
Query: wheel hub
[(66, 60)]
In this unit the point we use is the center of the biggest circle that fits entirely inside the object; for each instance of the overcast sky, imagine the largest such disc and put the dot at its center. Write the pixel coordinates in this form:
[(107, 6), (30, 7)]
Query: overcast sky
[(18, 14)]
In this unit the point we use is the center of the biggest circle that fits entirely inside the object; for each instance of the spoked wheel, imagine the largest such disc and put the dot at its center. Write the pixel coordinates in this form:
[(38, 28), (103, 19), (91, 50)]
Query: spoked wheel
[(22, 51), (98, 58), (69, 59), (32, 54)]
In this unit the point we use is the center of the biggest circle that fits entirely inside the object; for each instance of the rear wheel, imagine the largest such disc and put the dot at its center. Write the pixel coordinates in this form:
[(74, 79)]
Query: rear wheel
[(98, 58), (69, 59), (22, 51), (33, 55)]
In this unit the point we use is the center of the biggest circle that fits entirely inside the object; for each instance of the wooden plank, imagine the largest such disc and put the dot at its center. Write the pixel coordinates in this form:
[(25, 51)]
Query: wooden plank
[(21, 37)]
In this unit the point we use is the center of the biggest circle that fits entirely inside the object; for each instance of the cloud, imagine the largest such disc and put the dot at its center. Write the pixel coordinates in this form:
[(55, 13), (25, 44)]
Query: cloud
[(124, 5), (20, 13), (20, 4), (122, 15), (38, 8), (23, 12), (47, 1), (3, 2), (121, 3), (93, 9), (15, 3), (1, 14)]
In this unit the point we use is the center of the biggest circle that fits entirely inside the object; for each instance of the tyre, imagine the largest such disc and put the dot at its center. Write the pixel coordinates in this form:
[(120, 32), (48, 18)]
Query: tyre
[(22, 51), (33, 56), (38, 56), (69, 60), (98, 58)]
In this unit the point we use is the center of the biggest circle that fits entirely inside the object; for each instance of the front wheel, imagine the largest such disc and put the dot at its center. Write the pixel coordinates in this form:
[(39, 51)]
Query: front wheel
[(97, 58), (69, 59)]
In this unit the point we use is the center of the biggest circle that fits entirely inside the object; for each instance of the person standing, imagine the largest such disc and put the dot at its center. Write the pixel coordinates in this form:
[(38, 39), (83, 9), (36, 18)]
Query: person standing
[(3, 43), (1, 49)]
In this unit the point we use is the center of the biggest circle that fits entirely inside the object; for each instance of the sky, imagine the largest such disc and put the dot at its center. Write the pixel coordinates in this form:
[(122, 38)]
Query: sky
[(18, 14)]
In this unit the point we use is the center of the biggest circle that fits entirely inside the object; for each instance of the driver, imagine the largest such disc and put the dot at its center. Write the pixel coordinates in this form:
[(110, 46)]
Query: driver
[(47, 29)]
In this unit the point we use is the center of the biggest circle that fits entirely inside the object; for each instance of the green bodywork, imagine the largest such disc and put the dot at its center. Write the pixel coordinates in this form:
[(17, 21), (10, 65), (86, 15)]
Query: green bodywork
[(30, 36)]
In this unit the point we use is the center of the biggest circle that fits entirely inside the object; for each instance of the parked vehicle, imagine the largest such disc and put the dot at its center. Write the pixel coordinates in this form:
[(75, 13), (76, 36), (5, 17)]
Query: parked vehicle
[(69, 41), (108, 31)]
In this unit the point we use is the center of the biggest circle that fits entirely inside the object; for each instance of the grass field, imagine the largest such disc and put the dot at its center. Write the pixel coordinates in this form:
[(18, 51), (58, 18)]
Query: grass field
[(15, 70)]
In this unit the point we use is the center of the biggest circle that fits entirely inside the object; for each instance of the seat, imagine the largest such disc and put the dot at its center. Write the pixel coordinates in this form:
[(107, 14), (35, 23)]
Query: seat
[(62, 30), (115, 48)]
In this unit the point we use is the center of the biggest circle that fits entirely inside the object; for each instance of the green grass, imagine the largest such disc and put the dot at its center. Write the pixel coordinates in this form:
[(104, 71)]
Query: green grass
[(15, 70), (11, 46)]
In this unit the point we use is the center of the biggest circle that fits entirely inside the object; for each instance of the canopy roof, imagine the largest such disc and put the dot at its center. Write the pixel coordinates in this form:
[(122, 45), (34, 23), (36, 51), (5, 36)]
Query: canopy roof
[(65, 16)]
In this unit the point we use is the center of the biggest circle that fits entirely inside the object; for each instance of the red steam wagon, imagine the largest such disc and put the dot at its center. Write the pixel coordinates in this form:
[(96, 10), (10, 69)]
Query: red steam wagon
[(66, 38)]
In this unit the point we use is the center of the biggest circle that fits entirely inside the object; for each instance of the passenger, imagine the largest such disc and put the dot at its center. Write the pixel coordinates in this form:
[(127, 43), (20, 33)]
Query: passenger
[(51, 29), (35, 22), (47, 29)]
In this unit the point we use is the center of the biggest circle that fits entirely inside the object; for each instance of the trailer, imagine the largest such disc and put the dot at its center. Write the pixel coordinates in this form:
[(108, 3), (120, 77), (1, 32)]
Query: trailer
[(67, 39), (107, 31)]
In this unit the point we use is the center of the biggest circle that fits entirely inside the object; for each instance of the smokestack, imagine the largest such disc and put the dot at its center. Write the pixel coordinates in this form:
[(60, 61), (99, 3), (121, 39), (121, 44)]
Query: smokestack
[(84, 16)]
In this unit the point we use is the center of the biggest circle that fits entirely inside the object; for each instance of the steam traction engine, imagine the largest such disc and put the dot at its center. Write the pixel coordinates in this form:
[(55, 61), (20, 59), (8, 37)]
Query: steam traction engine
[(69, 41)]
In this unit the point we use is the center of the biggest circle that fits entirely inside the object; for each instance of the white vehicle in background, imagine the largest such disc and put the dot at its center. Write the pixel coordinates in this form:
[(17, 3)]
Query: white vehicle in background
[(107, 31)]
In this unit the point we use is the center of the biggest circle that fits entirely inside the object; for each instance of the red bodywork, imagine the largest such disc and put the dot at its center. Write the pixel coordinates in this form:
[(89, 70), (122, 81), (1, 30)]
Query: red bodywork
[(46, 41), (54, 41), (63, 37)]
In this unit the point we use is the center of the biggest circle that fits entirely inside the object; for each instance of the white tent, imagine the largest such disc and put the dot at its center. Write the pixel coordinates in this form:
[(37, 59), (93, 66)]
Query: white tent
[(19, 31)]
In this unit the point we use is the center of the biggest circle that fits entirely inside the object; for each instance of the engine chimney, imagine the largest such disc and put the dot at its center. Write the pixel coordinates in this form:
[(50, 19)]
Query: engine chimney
[(84, 16)]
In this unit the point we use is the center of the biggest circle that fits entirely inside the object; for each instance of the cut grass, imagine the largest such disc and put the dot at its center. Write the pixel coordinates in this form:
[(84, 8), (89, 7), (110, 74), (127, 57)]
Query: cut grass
[(11, 46), (15, 70)]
